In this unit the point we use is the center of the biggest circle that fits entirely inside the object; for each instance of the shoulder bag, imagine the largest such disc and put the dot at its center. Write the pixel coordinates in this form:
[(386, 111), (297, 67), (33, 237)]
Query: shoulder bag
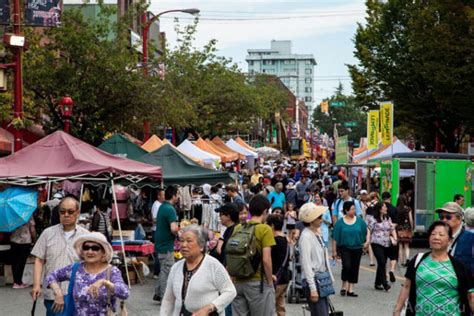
[(69, 304), (110, 311), (323, 280)]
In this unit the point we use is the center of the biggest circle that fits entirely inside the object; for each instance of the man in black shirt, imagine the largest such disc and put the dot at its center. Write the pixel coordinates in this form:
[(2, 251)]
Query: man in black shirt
[(392, 212)]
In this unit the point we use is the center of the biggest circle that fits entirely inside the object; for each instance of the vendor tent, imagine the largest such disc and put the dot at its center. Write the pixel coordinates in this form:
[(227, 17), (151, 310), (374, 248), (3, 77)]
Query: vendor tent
[(250, 156), (210, 148), (189, 149), (220, 143), (152, 144), (179, 169), (386, 150), (242, 143), (268, 152), (119, 145)]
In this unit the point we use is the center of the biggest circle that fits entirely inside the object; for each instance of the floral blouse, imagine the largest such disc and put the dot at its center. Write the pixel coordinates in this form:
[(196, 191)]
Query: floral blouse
[(380, 232), (86, 304)]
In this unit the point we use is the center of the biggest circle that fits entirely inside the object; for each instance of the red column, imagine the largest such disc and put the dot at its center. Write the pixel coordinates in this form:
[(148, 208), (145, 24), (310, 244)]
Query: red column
[(18, 81)]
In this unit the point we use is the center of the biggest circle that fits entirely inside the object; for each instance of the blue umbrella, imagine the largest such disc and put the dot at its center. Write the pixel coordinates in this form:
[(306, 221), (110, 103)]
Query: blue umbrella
[(17, 204)]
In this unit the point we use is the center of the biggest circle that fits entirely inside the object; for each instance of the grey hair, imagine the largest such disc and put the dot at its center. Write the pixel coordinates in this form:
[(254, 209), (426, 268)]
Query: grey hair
[(200, 233), (70, 198)]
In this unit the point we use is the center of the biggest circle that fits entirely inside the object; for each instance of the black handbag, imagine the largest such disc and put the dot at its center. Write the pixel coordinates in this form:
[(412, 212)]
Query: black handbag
[(332, 310)]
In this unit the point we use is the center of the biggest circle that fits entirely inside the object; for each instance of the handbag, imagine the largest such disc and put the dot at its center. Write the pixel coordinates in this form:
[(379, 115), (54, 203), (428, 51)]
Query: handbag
[(332, 310), (69, 304), (323, 280), (405, 234), (110, 312)]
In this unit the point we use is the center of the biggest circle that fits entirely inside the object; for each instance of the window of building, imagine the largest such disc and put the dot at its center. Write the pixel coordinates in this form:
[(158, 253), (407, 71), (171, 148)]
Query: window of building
[(308, 99), (308, 71), (251, 62), (292, 61), (268, 62), (308, 62), (286, 61), (308, 89), (271, 71), (308, 80), (263, 70)]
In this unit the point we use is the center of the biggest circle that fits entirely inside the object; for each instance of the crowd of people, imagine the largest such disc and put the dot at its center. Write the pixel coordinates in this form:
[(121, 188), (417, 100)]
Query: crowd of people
[(278, 214)]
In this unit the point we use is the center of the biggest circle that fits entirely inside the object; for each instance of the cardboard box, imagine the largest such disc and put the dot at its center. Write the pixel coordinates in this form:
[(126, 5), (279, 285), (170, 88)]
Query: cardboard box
[(145, 260), (127, 235)]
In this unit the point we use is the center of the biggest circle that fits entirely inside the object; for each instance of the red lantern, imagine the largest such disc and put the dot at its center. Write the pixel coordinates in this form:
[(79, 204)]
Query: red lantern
[(66, 105)]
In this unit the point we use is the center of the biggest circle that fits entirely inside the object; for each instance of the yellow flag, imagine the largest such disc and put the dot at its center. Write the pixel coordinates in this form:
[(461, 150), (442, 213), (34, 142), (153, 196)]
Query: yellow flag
[(386, 122), (373, 129)]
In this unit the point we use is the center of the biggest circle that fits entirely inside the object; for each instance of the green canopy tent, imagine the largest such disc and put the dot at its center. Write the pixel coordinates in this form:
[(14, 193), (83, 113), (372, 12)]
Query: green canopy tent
[(119, 145), (179, 169)]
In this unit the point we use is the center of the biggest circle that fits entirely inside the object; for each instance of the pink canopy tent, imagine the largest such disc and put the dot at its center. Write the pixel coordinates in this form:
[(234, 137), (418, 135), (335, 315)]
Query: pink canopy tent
[(60, 156)]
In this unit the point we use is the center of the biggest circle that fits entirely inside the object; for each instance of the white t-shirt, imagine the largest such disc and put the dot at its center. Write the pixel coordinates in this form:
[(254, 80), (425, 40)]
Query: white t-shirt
[(154, 213), (68, 234)]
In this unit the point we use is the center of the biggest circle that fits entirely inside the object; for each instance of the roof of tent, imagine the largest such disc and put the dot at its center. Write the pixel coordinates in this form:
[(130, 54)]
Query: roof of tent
[(119, 145), (242, 142), (60, 156), (152, 144), (179, 169), (220, 143), (241, 149), (395, 148), (211, 148), (189, 149)]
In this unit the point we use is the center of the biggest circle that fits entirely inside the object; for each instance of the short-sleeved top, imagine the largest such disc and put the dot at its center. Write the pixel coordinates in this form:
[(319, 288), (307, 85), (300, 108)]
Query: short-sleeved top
[(277, 199), (380, 232), (22, 235), (324, 226), (350, 236), (338, 204), (55, 247), (393, 213), (264, 236), (436, 288), (164, 238), (154, 213)]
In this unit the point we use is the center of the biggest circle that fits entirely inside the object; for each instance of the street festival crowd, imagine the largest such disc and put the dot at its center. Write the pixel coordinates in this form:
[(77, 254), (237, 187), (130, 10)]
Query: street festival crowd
[(279, 233)]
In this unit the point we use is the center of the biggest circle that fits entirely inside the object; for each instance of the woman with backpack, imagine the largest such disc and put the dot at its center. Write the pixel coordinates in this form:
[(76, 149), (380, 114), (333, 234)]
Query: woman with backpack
[(436, 283)]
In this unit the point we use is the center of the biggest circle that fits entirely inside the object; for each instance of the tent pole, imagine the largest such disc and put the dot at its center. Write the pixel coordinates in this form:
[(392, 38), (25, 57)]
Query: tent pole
[(49, 190), (120, 232), (80, 196)]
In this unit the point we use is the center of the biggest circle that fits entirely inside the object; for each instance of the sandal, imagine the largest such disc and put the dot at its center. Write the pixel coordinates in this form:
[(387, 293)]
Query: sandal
[(343, 292), (352, 294)]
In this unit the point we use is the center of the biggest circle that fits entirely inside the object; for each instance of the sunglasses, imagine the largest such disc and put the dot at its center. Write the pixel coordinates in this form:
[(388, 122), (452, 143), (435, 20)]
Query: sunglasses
[(69, 211), (95, 248), (445, 216)]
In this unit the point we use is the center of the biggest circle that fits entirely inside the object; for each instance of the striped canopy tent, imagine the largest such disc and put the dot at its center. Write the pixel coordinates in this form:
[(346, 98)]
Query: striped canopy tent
[(220, 143)]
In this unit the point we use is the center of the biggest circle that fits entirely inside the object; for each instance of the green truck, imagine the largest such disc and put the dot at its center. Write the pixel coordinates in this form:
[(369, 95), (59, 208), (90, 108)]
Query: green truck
[(434, 177)]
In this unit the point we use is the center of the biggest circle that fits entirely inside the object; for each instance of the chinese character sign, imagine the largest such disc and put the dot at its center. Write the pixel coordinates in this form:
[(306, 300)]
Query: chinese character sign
[(342, 150), (386, 122), (373, 129), (44, 13)]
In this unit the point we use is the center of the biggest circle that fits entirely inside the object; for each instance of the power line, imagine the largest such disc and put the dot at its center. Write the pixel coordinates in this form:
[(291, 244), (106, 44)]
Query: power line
[(275, 18)]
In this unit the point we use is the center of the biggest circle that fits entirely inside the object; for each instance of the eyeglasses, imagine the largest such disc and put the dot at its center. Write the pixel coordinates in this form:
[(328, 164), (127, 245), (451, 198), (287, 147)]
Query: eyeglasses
[(70, 211), (445, 216), (94, 248)]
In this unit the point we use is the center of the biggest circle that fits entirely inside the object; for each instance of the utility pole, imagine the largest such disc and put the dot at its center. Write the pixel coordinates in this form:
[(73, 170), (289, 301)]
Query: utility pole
[(18, 79)]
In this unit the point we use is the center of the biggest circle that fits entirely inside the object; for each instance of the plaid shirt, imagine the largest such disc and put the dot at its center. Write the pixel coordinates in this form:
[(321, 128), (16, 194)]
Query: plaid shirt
[(57, 252)]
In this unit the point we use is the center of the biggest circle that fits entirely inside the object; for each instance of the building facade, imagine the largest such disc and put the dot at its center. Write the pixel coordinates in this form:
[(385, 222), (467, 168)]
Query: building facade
[(296, 71)]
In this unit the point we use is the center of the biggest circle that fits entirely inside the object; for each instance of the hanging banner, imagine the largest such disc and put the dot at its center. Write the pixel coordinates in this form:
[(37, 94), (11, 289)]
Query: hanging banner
[(373, 129), (4, 12), (43, 13), (342, 150), (386, 122)]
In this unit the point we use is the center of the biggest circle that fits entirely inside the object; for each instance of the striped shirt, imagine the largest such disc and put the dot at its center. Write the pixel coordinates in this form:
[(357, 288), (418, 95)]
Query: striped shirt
[(57, 252)]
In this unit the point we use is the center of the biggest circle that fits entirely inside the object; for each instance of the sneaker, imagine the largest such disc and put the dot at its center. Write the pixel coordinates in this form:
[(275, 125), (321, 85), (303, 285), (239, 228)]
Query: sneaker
[(156, 277), (392, 277), (379, 287), (20, 286), (386, 287)]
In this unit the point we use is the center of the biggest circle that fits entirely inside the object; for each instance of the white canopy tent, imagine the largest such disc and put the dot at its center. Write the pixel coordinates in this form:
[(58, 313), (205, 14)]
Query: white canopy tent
[(207, 158), (250, 156)]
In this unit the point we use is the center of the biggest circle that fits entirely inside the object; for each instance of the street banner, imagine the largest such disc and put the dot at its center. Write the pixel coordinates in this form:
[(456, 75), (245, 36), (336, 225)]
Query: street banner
[(342, 150), (386, 122), (373, 129), (43, 13), (4, 12)]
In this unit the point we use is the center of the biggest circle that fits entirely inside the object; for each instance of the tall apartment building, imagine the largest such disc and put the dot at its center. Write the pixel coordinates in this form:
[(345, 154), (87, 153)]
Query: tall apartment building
[(296, 71)]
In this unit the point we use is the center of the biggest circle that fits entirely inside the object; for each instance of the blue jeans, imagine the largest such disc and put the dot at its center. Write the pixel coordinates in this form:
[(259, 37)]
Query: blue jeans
[(228, 310)]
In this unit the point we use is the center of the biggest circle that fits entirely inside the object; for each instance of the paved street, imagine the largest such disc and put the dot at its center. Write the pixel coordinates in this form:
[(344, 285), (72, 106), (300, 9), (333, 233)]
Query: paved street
[(370, 302)]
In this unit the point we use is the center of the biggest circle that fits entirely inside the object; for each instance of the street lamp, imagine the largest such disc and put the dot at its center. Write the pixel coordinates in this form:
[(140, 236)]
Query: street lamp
[(146, 24), (66, 105)]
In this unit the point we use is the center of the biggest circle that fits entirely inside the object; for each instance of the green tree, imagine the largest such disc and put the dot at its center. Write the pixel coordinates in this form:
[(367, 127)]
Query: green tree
[(419, 54), (340, 115)]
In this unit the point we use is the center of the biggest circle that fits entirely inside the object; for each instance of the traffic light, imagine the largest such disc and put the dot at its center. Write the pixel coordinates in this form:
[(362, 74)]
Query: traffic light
[(324, 107)]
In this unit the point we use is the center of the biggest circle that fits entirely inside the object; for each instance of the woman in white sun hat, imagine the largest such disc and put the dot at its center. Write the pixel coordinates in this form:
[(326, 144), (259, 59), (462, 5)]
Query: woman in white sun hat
[(94, 279)]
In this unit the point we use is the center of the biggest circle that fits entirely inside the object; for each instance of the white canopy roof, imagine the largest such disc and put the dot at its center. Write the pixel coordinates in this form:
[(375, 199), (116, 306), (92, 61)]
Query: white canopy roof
[(189, 149), (241, 150)]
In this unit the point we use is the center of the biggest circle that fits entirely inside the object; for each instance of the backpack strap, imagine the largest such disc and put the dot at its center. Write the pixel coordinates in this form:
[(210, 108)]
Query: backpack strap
[(420, 257)]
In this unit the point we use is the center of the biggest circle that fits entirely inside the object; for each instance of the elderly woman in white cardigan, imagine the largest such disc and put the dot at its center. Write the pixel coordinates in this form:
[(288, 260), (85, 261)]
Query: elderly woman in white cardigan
[(199, 284), (313, 257)]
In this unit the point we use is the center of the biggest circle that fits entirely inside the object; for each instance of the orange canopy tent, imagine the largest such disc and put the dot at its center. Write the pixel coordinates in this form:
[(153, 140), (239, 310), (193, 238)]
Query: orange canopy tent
[(242, 143), (152, 144), (203, 145), (232, 157), (221, 145)]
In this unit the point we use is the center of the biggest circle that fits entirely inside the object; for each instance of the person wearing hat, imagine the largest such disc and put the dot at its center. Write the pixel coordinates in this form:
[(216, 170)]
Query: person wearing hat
[(464, 249), (313, 256), (451, 213), (94, 277), (290, 193)]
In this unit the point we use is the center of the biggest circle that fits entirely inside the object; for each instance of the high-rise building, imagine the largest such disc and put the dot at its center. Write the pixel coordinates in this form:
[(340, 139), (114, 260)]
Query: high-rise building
[(296, 71)]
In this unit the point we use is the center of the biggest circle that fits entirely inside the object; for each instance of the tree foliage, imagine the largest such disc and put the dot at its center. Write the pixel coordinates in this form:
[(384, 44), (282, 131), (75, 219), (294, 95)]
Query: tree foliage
[(419, 54)]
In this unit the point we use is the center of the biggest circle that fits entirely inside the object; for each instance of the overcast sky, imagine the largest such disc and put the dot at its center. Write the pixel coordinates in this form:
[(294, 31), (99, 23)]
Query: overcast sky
[(324, 28)]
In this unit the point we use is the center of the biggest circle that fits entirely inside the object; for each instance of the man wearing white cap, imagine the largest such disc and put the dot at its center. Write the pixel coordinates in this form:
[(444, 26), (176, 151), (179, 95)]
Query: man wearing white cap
[(465, 245), (451, 213)]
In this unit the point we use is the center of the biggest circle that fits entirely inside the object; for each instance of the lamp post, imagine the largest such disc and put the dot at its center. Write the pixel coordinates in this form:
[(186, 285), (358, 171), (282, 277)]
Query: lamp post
[(146, 24), (66, 105)]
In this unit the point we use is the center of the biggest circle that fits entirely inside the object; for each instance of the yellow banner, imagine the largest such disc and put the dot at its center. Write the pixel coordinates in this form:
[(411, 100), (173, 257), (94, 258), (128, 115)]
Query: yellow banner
[(386, 122), (373, 129)]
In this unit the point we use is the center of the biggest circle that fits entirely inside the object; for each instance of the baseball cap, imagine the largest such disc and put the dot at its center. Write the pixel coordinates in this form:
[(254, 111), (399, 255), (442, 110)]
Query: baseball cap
[(450, 207), (363, 191), (469, 217)]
